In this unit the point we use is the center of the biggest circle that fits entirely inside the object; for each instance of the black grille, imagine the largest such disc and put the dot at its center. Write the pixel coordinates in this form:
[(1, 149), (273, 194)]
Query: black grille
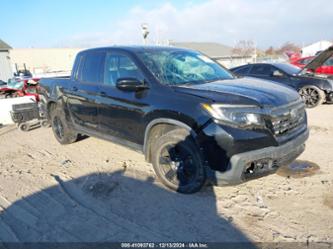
[(288, 119)]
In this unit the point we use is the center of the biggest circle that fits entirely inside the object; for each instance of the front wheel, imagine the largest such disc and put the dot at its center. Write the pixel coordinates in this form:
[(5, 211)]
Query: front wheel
[(312, 96), (177, 162), (60, 128)]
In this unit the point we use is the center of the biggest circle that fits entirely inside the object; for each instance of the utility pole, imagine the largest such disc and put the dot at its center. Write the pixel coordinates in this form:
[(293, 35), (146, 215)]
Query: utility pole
[(145, 32), (255, 52)]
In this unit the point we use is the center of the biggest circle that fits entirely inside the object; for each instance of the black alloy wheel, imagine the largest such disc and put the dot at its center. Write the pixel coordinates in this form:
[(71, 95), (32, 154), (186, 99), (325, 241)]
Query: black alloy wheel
[(177, 162)]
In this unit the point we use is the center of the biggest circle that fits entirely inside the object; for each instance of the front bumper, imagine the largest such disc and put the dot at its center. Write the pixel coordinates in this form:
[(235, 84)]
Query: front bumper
[(243, 166), (329, 97)]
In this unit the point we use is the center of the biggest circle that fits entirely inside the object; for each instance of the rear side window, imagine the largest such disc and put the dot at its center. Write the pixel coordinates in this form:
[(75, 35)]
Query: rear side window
[(265, 70), (304, 61), (120, 66), (329, 62), (91, 67), (242, 70)]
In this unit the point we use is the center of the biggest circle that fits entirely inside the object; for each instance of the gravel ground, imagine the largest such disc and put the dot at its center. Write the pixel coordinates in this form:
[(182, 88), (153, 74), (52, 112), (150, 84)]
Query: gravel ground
[(94, 190)]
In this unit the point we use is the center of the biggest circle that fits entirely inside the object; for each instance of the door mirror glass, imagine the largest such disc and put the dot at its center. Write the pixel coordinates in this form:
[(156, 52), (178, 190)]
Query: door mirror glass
[(130, 84)]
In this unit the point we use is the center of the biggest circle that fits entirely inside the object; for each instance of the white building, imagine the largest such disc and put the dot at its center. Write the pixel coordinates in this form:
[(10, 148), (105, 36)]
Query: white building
[(221, 53), (5, 65), (44, 60), (312, 49)]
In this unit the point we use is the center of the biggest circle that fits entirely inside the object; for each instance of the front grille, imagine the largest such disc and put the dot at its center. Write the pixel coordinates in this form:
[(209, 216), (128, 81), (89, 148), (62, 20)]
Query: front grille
[(287, 119)]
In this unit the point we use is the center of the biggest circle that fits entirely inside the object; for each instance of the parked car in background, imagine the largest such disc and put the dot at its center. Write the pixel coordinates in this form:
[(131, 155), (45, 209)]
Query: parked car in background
[(326, 68), (314, 89), (301, 62), (191, 117), (17, 87)]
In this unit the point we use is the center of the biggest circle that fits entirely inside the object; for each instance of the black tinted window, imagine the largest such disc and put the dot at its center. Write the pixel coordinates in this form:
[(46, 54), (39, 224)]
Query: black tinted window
[(265, 70), (305, 61), (242, 70), (120, 66), (92, 67), (329, 62)]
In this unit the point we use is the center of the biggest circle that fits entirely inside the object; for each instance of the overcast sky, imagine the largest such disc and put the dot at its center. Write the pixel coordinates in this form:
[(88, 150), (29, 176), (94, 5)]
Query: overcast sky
[(64, 23)]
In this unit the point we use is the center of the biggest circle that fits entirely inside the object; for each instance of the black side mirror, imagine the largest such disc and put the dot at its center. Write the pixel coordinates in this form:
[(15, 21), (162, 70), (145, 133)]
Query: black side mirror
[(277, 73), (130, 84)]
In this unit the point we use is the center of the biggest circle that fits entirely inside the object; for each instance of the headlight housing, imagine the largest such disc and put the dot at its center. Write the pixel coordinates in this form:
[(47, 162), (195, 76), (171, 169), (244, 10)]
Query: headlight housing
[(244, 116)]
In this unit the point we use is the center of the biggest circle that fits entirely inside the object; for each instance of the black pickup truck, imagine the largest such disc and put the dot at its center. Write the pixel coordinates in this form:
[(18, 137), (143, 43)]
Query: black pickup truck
[(192, 118)]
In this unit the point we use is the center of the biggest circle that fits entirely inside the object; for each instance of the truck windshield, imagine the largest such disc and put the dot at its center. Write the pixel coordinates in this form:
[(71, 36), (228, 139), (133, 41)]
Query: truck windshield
[(183, 67)]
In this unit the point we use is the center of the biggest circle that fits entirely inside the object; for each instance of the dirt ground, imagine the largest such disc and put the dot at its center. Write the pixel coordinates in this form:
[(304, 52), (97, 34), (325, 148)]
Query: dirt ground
[(94, 190)]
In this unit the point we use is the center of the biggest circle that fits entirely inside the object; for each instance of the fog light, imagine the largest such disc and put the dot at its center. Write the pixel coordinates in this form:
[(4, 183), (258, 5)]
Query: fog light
[(258, 166)]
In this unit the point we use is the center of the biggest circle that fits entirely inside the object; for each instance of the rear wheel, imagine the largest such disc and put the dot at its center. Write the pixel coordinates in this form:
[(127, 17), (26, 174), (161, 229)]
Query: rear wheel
[(312, 96), (60, 128), (177, 162)]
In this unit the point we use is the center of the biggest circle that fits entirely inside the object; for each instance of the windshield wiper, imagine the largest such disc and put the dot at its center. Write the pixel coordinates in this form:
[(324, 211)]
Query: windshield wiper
[(209, 81), (194, 82)]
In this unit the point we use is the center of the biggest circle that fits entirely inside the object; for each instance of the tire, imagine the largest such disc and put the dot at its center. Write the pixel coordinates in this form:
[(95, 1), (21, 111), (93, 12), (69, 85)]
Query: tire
[(177, 162), (60, 128), (312, 96), (45, 124), (24, 127)]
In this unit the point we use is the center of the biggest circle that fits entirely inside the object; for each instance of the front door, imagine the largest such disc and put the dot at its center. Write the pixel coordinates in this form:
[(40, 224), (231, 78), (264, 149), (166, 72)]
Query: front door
[(266, 72), (121, 112)]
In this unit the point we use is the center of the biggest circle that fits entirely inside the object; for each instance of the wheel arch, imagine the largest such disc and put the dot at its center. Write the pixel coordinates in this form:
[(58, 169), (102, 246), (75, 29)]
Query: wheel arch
[(159, 126), (51, 105)]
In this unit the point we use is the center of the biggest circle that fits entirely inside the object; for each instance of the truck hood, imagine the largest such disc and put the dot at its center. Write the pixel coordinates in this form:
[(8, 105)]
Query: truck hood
[(243, 91), (318, 60)]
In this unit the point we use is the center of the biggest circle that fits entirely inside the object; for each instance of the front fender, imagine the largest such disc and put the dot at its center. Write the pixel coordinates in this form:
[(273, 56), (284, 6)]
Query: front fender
[(170, 119), (322, 84)]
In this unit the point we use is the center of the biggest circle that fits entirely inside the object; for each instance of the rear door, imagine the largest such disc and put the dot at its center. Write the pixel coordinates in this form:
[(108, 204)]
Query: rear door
[(121, 112), (84, 88)]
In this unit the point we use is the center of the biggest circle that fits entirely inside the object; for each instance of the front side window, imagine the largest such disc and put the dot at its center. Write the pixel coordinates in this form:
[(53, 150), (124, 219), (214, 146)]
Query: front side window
[(264, 70), (120, 66), (182, 67), (92, 65)]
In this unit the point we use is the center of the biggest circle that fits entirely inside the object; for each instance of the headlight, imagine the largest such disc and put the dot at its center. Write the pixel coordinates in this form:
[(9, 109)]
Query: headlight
[(236, 115)]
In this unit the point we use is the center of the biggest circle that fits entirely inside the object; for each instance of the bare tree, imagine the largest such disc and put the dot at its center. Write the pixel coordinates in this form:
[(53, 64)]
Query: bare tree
[(270, 51), (288, 48), (244, 48)]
